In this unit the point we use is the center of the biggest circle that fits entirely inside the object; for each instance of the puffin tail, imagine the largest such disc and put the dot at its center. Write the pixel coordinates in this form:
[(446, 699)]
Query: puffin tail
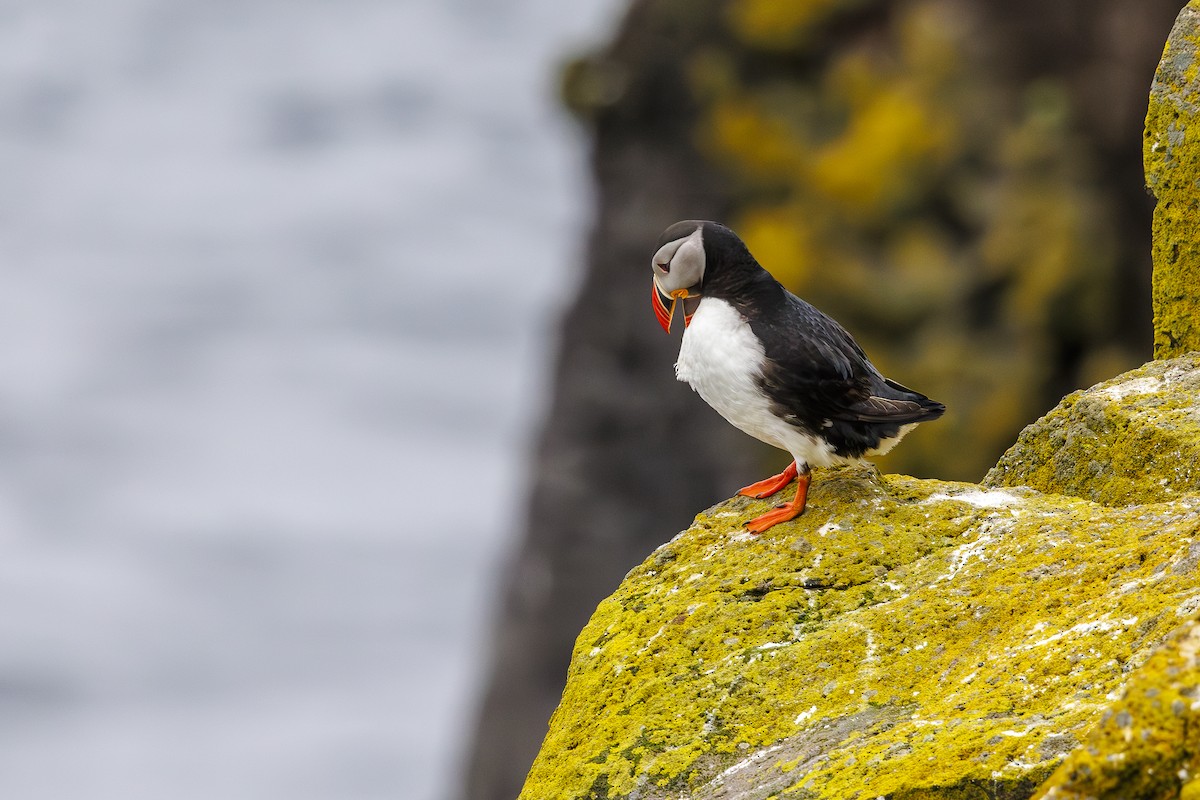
[(920, 407)]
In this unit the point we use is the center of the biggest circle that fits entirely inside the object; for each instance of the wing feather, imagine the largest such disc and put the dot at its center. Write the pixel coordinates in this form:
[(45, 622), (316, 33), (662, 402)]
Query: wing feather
[(819, 373)]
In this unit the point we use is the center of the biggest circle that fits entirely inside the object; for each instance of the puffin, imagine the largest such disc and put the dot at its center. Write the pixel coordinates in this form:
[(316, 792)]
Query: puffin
[(773, 365)]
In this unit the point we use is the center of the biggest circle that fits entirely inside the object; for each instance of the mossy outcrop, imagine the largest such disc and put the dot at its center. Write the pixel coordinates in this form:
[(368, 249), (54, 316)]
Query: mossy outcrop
[(956, 181), (903, 638), (1172, 159), (1147, 743), (1133, 439), (1038, 636)]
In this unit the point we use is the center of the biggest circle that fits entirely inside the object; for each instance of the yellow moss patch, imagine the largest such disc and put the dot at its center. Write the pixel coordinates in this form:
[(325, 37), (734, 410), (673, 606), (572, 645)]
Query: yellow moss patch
[(893, 138), (782, 238), (1171, 154), (773, 25), (770, 146), (900, 636), (1133, 439), (1147, 743)]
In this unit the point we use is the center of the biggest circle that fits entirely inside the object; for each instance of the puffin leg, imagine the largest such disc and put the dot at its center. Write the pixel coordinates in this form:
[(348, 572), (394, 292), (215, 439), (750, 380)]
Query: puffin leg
[(787, 511), (771, 485)]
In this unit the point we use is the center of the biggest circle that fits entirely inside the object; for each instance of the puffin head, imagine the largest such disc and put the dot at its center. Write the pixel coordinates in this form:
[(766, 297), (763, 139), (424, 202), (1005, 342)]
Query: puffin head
[(678, 268)]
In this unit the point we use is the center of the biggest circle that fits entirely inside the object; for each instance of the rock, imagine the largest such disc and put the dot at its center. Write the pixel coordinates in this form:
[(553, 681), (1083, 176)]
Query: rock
[(902, 638), (1133, 439), (1136, 438), (1171, 153), (1000, 140), (1147, 743)]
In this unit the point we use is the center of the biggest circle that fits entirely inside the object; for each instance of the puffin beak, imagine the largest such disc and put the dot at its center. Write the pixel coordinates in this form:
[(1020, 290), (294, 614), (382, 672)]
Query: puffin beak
[(666, 314), (657, 299)]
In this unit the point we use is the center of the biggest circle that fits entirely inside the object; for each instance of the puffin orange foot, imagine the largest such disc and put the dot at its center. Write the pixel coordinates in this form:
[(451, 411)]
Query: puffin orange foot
[(771, 485), (785, 512)]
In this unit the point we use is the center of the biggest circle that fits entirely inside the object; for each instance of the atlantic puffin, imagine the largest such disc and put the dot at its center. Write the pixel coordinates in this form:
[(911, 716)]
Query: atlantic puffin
[(774, 366)]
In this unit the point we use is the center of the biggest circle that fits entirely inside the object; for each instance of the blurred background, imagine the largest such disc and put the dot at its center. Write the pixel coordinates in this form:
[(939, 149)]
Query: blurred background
[(275, 282), (305, 490)]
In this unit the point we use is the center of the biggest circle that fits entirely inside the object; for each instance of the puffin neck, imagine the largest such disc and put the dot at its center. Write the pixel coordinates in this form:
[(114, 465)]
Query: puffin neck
[(746, 286)]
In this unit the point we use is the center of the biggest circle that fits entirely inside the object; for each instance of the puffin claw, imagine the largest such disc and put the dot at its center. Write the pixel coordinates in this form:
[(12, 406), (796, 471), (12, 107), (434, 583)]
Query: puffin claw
[(786, 511)]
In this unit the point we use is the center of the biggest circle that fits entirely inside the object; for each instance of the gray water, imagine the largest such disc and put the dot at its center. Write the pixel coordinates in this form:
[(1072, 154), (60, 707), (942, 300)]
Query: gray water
[(276, 287)]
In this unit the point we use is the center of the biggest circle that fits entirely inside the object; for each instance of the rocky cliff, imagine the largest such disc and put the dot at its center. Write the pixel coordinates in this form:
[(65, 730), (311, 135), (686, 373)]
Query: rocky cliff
[(956, 180), (1172, 156), (902, 636), (1037, 635)]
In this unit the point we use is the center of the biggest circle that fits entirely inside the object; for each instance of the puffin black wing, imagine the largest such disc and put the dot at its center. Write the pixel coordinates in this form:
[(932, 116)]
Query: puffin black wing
[(894, 403), (819, 379)]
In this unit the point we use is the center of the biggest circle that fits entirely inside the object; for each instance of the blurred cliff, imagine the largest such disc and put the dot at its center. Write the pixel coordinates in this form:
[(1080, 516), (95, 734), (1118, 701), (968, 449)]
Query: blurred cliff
[(959, 183)]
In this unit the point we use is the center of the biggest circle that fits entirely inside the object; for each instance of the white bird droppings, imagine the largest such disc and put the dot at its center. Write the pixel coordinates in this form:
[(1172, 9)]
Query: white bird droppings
[(980, 498), (1135, 386)]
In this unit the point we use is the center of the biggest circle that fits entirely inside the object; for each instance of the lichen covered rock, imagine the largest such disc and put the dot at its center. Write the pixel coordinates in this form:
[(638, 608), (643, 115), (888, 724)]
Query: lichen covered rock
[(1147, 743), (1172, 159), (1133, 439), (903, 638), (1035, 636)]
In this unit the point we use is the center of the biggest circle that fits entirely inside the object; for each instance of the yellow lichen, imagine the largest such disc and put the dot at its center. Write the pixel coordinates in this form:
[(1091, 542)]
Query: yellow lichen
[(774, 25), (893, 140), (926, 633), (1172, 161), (1132, 439), (925, 639), (1147, 743)]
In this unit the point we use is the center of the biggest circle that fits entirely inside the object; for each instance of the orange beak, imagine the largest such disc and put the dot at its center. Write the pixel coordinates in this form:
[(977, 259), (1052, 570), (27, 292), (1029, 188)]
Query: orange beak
[(664, 314)]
